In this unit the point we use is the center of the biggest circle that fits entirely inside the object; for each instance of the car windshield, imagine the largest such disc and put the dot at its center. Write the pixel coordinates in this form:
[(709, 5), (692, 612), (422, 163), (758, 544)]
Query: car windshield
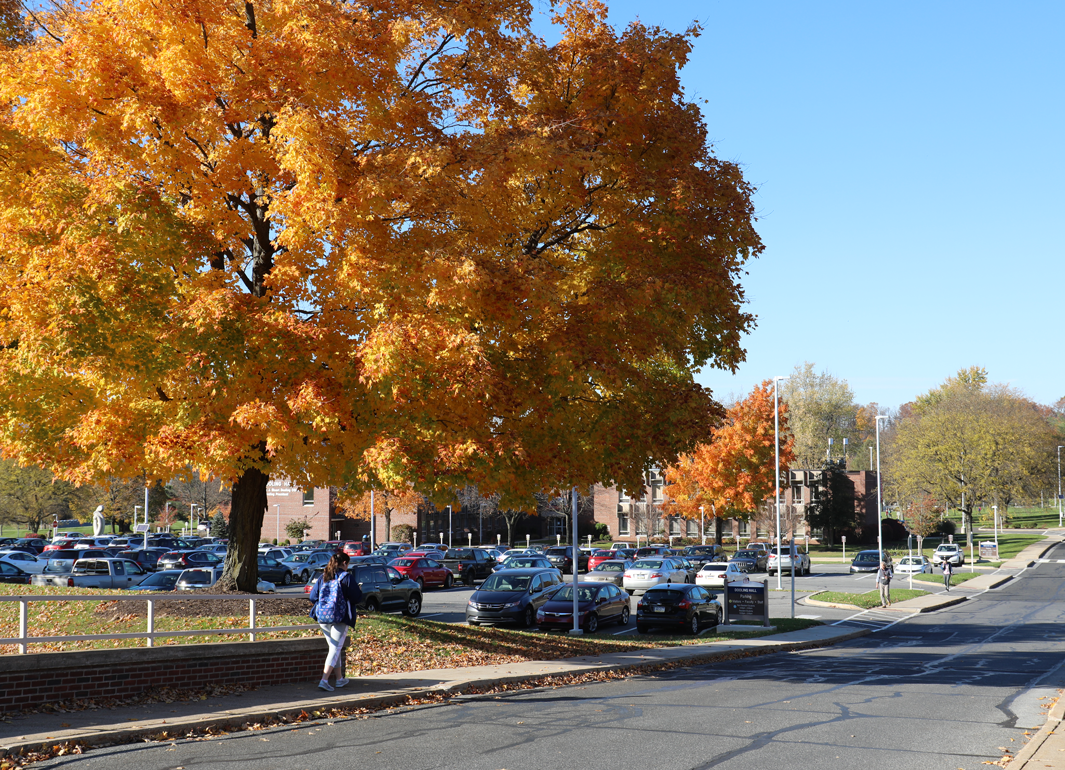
[(199, 577), (566, 594), (665, 595), (161, 579), (501, 581), (518, 562), (867, 556), (610, 566), (697, 550), (59, 565), (299, 557), (746, 554), (714, 567), (647, 564), (459, 553), (403, 562), (910, 560)]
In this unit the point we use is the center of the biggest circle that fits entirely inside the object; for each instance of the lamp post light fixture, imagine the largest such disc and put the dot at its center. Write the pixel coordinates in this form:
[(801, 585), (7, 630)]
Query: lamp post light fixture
[(879, 503), (776, 441)]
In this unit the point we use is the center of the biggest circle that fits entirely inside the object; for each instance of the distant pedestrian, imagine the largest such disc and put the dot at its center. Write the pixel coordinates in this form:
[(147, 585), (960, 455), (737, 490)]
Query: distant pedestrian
[(948, 570), (883, 582), (334, 596)]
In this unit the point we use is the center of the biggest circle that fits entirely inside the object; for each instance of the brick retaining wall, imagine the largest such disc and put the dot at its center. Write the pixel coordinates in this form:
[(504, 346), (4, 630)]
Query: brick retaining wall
[(35, 679)]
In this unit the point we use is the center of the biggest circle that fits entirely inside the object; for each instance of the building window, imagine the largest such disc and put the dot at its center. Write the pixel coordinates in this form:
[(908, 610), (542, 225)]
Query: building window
[(308, 496), (623, 523), (674, 525), (796, 494), (693, 528), (815, 493)]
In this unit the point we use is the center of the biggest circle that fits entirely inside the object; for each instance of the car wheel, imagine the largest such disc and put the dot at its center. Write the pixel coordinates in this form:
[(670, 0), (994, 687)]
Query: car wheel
[(695, 625), (286, 579), (591, 625), (373, 605), (718, 622), (528, 620), (305, 576), (421, 584), (641, 629), (448, 581), (414, 606), (625, 616)]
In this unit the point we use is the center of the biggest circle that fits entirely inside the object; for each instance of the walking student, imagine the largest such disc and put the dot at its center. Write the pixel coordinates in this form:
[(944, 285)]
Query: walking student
[(883, 582), (334, 596), (948, 570)]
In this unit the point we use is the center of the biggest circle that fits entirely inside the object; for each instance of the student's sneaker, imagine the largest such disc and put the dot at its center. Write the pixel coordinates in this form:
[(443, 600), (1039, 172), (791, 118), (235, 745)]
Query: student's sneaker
[(341, 682), (324, 685)]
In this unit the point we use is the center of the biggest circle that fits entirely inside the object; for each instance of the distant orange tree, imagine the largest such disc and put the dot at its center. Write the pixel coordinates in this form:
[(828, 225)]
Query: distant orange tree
[(343, 243), (733, 474)]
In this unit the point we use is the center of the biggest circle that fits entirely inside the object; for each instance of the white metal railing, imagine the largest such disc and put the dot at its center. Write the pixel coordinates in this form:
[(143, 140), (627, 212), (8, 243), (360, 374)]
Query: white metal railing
[(24, 639)]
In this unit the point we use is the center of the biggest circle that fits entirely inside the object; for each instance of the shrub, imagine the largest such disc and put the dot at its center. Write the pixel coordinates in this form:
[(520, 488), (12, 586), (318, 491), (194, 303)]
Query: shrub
[(946, 527), (403, 533)]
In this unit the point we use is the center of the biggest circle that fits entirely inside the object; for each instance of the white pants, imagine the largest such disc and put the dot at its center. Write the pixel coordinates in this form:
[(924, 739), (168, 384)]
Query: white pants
[(335, 634)]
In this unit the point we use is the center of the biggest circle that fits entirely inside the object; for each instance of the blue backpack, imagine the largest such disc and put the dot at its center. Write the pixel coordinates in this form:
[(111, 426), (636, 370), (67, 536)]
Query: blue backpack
[(330, 607)]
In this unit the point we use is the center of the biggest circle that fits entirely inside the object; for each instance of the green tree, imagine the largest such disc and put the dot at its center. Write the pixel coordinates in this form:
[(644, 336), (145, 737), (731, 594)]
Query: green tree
[(402, 533), (836, 509), (922, 519), (219, 526), (969, 444), (296, 529), (820, 407), (33, 497)]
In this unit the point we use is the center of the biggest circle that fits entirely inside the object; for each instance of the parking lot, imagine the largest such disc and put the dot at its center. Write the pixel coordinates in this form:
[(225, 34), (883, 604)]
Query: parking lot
[(449, 606)]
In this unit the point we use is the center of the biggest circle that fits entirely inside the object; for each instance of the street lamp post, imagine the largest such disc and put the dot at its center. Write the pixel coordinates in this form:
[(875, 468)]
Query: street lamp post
[(277, 507), (449, 529), (776, 499), (1059, 486), (879, 503), (702, 523), (994, 509)]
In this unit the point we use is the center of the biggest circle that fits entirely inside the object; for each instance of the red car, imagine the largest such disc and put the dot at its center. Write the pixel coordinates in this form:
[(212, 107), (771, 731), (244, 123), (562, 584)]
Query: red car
[(423, 571), (599, 556), (55, 545), (356, 548)]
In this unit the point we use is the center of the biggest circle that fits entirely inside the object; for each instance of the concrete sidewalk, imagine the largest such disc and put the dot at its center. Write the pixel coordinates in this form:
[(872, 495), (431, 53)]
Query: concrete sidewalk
[(125, 724), (1047, 747)]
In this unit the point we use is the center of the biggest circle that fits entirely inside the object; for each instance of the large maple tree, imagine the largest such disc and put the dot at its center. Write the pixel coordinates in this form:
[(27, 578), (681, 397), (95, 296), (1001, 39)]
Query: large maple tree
[(359, 243), (733, 474)]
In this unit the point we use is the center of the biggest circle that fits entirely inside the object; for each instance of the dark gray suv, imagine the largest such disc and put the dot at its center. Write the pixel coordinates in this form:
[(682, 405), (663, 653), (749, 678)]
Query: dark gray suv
[(383, 589)]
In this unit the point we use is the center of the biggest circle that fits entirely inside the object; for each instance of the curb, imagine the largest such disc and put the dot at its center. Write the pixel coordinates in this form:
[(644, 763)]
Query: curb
[(179, 728), (1027, 754)]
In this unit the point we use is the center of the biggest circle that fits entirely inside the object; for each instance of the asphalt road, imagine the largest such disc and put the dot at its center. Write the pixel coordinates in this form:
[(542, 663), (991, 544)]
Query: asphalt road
[(944, 690)]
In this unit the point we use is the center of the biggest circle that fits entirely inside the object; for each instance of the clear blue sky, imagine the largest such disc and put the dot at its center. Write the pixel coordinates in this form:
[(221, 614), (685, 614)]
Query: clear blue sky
[(910, 162)]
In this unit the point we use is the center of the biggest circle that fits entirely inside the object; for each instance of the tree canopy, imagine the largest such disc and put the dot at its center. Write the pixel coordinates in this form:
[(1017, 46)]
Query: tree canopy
[(821, 407), (359, 244)]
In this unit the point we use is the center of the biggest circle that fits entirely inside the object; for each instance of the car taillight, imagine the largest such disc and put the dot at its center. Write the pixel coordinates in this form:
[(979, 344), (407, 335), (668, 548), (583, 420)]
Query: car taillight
[(70, 582), (684, 605), (657, 574), (627, 574)]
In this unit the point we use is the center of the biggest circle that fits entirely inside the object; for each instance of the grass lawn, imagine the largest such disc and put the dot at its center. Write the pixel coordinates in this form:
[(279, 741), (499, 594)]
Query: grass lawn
[(380, 643), (869, 599), (955, 579)]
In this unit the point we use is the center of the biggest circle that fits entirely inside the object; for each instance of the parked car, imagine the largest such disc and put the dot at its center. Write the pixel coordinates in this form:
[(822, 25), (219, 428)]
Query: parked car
[(612, 571), (60, 542), (914, 565), (273, 570), (356, 548), (392, 550), (195, 578), (523, 562), (160, 581), (596, 604), (951, 552), (598, 556), (24, 561), (561, 558), (512, 596), (423, 571), (690, 607), (714, 574), (105, 573), (652, 550), (10, 573), (383, 588), (701, 554), (645, 573), (189, 559), (275, 553), (304, 563), (751, 560), (788, 553), (865, 561), (468, 564), (148, 558)]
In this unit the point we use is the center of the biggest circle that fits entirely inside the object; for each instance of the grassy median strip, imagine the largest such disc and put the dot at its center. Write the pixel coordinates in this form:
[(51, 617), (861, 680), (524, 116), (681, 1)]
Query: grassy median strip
[(955, 579), (869, 599), (380, 644)]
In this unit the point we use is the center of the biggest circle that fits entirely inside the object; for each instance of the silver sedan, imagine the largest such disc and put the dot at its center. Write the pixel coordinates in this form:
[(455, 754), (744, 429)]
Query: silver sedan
[(651, 571), (610, 571)]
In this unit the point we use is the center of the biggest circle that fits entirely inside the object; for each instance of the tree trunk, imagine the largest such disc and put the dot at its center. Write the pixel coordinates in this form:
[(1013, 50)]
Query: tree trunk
[(388, 524), (967, 522), (718, 529), (241, 571)]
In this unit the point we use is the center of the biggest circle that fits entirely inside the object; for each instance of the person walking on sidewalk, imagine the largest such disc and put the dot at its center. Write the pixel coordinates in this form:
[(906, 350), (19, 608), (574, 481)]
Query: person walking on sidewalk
[(334, 596), (883, 582), (948, 570)]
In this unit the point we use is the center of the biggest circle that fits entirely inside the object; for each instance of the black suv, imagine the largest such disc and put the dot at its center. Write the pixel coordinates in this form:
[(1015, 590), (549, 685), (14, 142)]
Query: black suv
[(383, 589), (561, 558)]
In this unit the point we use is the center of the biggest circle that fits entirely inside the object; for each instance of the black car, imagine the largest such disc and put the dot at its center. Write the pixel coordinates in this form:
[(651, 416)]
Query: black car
[(866, 561), (523, 562), (273, 570), (699, 555), (383, 589), (9, 573), (682, 605), (188, 560), (750, 561), (561, 558), (512, 596), (146, 558), (597, 603)]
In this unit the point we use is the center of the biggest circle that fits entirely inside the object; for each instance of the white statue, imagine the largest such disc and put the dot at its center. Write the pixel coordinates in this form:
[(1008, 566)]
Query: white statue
[(98, 521)]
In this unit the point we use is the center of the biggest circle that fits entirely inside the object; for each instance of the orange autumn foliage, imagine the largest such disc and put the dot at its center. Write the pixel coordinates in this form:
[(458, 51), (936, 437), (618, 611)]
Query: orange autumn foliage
[(732, 474), (359, 244)]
